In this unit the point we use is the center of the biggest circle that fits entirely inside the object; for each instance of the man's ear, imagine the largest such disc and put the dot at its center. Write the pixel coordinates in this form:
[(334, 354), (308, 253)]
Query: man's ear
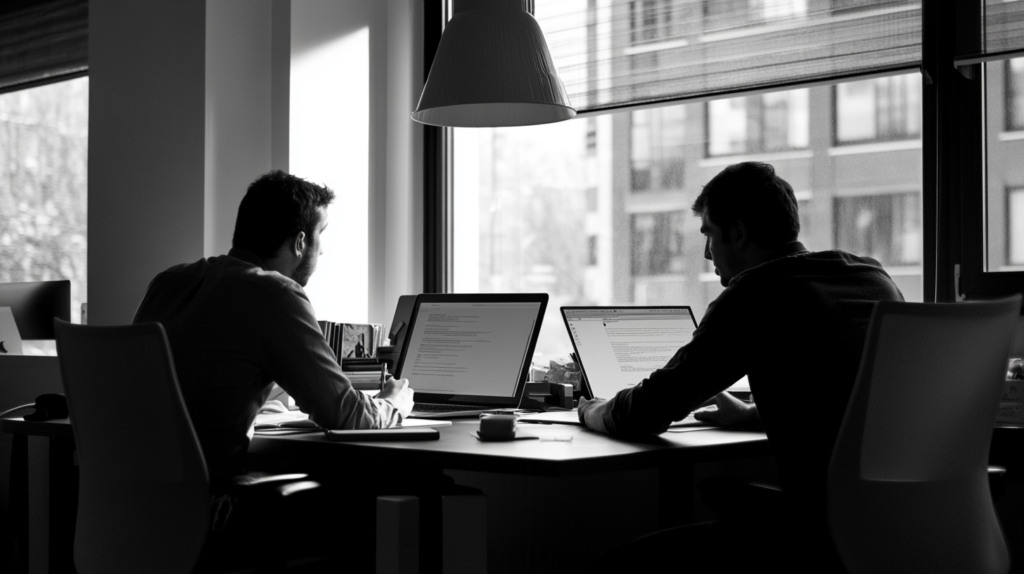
[(299, 245), (738, 233)]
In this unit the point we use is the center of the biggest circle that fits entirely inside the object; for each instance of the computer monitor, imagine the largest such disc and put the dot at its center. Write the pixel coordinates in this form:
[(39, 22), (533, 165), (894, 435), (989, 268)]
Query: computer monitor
[(471, 349), (997, 285), (35, 304)]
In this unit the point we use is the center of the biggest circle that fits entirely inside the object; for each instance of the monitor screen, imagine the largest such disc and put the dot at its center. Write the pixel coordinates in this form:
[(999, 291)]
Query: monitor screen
[(470, 347), (619, 346), (35, 304)]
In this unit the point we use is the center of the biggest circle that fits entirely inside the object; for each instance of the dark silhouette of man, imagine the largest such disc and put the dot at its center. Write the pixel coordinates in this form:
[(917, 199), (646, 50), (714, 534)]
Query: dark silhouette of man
[(794, 322), (239, 322)]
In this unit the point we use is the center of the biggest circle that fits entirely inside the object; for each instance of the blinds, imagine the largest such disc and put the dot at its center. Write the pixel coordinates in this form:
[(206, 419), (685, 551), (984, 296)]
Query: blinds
[(42, 40), (615, 53), (997, 34)]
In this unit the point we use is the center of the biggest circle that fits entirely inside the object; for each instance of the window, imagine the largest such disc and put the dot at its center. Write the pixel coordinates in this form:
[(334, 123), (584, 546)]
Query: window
[(656, 149), (596, 210), (656, 241), (884, 227), (1004, 146), (651, 20), (44, 143), (1014, 82), (1015, 235), (879, 109), (772, 122)]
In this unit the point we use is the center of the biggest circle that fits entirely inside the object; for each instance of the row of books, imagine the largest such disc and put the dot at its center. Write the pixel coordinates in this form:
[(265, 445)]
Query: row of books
[(352, 340), (355, 347)]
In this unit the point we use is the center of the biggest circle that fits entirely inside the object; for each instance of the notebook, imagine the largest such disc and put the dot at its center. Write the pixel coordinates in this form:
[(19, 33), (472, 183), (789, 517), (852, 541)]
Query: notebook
[(465, 354)]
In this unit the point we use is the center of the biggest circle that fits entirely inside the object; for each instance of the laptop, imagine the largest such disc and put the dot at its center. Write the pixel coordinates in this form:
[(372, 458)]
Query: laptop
[(466, 354), (617, 347)]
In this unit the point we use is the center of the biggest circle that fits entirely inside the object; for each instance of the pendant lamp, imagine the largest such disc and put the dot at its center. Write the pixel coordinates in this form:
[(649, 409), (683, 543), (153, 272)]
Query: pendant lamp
[(492, 68)]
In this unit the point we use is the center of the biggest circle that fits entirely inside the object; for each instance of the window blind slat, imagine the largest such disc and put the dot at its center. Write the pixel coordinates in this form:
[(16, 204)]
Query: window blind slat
[(42, 39), (655, 50)]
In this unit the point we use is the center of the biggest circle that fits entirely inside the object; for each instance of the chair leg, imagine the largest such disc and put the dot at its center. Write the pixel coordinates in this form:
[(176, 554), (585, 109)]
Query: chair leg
[(398, 535)]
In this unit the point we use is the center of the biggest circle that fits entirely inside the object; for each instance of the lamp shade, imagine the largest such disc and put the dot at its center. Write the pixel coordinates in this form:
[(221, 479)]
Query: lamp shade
[(492, 68)]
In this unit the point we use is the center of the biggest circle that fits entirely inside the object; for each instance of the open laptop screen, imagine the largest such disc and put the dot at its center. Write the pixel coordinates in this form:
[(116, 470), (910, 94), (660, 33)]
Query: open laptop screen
[(471, 348), (620, 346)]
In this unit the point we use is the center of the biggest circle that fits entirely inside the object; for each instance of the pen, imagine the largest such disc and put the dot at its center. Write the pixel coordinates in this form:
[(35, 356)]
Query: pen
[(383, 375)]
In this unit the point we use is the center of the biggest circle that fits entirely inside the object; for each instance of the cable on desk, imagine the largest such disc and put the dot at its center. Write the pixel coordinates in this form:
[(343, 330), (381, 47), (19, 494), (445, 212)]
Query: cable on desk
[(9, 411)]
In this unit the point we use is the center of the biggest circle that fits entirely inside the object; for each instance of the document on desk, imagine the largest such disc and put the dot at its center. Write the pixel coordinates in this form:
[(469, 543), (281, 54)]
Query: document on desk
[(572, 418), (292, 419)]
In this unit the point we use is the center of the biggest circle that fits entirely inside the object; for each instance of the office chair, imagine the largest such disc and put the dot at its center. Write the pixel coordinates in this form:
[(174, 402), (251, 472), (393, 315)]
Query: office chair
[(908, 488), (144, 491)]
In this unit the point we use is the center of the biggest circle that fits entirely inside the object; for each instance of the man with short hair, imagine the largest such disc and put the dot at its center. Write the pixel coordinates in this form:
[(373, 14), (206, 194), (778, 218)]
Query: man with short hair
[(793, 321), (239, 322)]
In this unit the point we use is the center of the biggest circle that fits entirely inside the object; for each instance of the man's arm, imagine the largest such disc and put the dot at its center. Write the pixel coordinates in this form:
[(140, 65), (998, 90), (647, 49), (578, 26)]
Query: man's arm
[(716, 357), (303, 364)]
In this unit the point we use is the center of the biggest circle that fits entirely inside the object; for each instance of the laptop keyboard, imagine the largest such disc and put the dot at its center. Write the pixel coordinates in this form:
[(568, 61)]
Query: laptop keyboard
[(437, 408)]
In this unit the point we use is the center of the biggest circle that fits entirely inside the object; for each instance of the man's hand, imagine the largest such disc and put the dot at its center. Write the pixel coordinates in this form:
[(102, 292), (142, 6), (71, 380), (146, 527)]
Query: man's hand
[(592, 413), (399, 393), (727, 411)]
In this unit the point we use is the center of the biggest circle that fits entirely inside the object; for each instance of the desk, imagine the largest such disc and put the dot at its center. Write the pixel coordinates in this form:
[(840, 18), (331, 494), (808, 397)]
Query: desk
[(589, 454)]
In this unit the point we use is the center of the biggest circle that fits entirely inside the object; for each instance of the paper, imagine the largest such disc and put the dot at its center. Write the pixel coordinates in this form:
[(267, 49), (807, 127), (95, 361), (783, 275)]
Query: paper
[(10, 338)]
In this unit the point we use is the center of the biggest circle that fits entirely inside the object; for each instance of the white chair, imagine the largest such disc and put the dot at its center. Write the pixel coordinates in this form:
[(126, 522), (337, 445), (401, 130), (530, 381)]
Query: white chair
[(908, 488), (144, 491)]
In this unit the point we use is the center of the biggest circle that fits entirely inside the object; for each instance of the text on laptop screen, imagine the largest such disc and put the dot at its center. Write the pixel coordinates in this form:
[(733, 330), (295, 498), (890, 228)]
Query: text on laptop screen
[(621, 346), (469, 348)]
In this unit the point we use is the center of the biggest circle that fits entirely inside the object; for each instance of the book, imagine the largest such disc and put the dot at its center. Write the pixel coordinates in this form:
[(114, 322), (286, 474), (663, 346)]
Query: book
[(352, 340)]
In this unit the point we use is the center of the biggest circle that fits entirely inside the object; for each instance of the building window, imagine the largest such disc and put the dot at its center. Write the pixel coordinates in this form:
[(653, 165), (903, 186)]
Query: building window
[(651, 20), (720, 14), (772, 122), (880, 109), (591, 197), (884, 227), (656, 149), (656, 243), (44, 144), (592, 250), (1015, 94), (1015, 226)]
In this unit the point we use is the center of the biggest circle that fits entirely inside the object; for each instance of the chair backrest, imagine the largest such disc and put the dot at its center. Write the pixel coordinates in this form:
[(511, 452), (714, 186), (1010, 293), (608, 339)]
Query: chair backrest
[(143, 502), (907, 484)]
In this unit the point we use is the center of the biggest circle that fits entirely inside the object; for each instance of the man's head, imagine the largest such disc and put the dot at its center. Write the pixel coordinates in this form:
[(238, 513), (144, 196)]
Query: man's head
[(280, 220), (746, 213)]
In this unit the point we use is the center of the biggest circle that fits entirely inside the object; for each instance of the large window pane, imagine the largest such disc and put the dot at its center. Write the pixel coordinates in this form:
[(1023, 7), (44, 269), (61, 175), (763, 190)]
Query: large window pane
[(770, 122), (558, 208), (880, 109), (43, 142), (1004, 93)]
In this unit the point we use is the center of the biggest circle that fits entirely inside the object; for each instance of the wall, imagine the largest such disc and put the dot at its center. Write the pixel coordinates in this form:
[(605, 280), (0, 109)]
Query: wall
[(189, 102), (146, 147), (239, 134)]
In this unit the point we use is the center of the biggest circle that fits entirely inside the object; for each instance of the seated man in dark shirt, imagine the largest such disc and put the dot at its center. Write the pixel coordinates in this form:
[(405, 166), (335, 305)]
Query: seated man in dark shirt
[(793, 321), (239, 322)]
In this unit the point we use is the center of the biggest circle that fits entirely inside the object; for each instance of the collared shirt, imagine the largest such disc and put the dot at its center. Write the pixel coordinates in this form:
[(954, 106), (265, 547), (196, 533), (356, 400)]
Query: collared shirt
[(795, 326), (234, 328)]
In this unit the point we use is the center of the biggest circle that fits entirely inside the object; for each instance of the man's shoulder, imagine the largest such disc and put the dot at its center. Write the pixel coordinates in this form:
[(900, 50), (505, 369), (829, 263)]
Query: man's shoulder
[(231, 271), (833, 262)]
